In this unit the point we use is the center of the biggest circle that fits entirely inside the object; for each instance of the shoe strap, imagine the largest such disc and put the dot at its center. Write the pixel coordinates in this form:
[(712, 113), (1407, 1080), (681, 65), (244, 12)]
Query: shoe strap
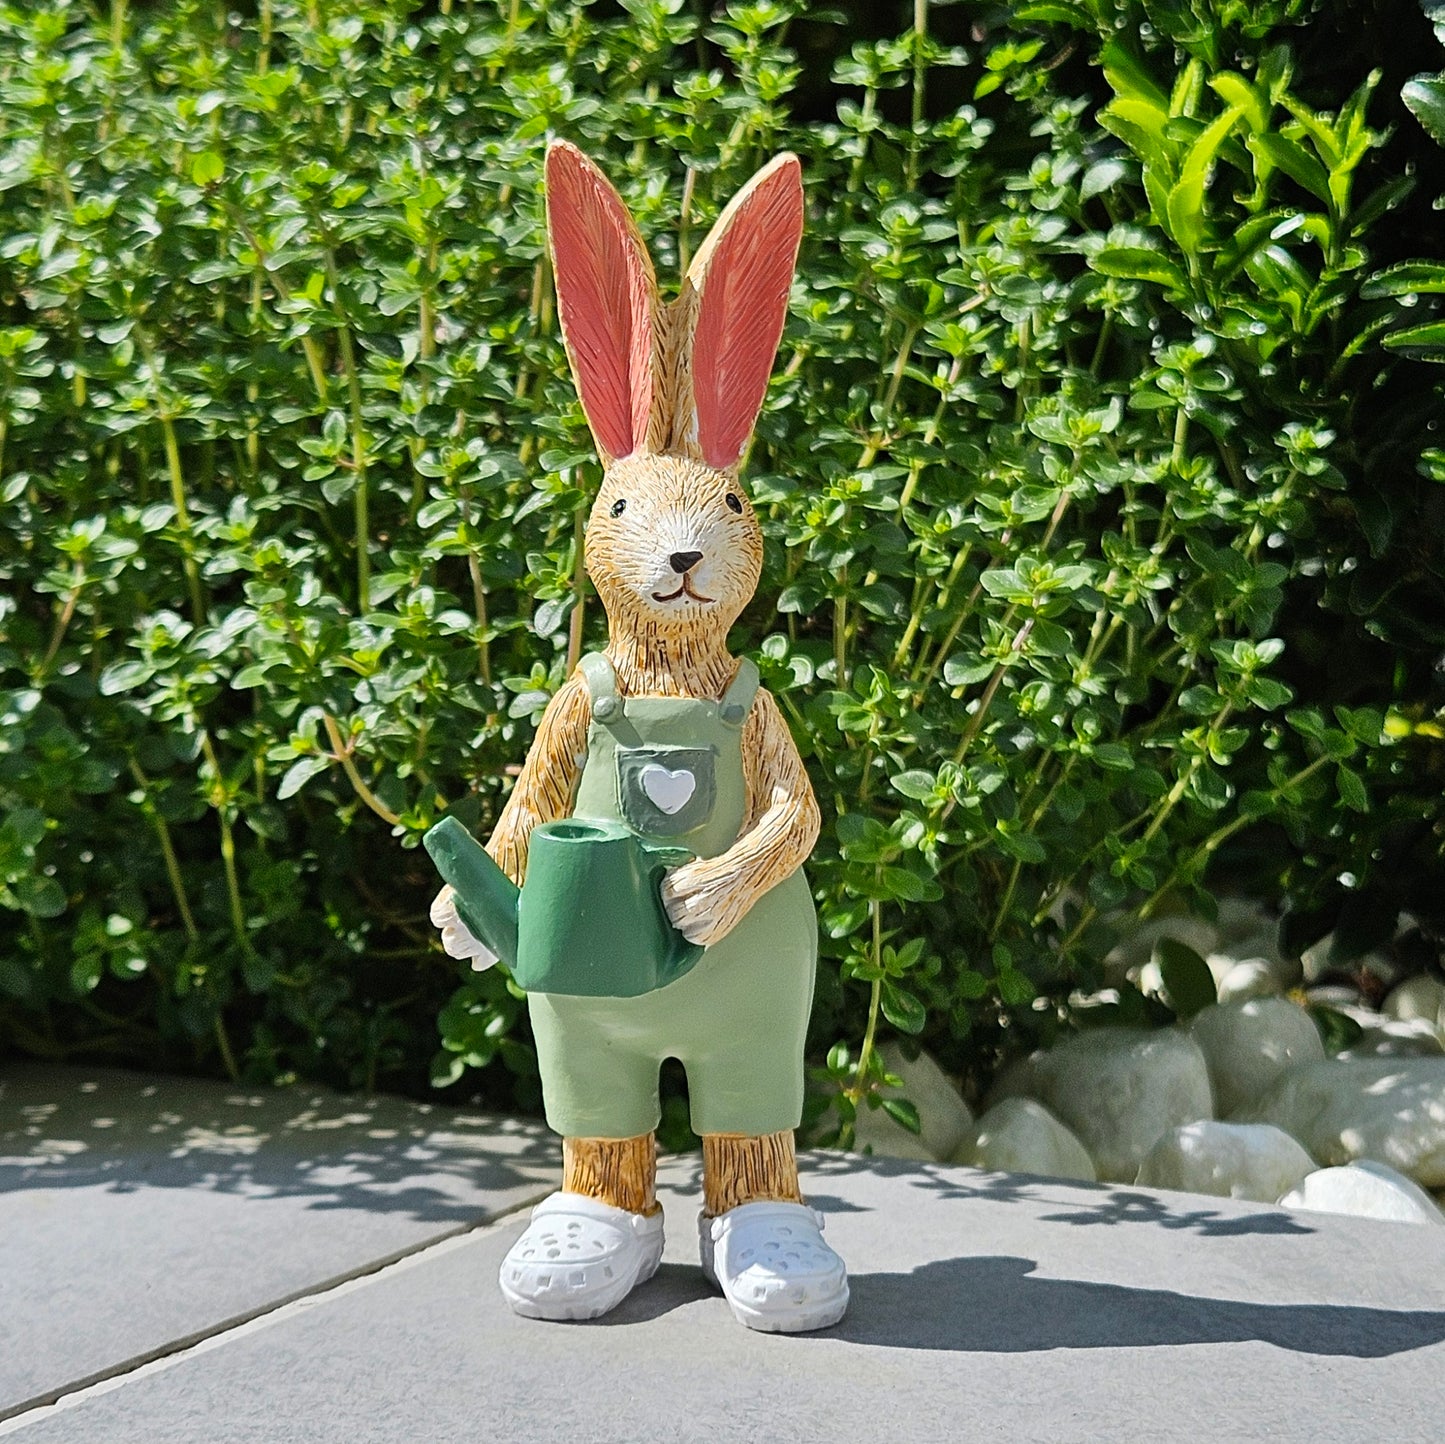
[(764, 1212), (580, 1205)]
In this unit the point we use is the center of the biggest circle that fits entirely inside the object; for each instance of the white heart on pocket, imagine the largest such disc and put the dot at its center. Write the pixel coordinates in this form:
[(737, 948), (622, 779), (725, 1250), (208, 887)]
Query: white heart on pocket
[(669, 791)]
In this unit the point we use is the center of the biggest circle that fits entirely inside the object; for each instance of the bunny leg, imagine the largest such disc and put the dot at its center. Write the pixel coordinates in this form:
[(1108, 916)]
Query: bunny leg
[(738, 1169), (760, 1243), (589, 1245), (619, 1171)]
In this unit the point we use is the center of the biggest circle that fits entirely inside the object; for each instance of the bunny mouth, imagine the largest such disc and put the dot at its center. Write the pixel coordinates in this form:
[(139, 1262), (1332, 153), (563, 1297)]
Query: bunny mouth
[(685, 590)]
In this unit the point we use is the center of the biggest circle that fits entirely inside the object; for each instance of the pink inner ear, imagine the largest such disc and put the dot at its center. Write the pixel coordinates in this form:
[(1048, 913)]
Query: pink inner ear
[(744, 304), (605, 297)]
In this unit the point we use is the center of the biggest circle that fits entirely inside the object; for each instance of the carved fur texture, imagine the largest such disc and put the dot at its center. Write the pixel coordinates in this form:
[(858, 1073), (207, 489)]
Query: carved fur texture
[(674, 550), (665, 499)]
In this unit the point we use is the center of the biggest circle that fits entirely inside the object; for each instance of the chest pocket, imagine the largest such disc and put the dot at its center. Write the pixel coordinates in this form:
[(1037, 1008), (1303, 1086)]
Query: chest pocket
[(666, 791)]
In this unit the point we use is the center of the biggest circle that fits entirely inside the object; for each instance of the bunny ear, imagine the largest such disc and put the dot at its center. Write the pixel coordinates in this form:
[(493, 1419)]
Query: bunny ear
[(740, 281), (606, 299)]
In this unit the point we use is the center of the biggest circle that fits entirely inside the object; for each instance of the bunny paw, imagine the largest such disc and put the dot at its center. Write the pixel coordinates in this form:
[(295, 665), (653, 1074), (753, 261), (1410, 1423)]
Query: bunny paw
[(701, 911), (457, 940)]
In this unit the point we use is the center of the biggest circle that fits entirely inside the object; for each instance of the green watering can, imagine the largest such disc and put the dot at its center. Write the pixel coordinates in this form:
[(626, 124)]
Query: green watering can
[(589, 918)]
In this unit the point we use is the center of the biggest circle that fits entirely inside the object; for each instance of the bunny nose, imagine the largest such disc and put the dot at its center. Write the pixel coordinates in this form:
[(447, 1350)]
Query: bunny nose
[(684, 561)]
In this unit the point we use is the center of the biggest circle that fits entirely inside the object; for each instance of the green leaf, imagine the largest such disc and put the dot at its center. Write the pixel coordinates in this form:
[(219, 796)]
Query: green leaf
[(446, 1068), (124, 675), (1102, 177), (1134, 263), (1237, 92), (25, 827), (1015, 988), (1426, 339), (906, 885), (1295, 161), (1114, 757), (917, 784), (902, 1112), (1022, 845), (1188, 88), (1187, 979), (1141, 126), (41, 897), (207, 168), (1337, 1030), (299, 774), (965, 671), (901, 1008), (1352, 789), (1055, 12), (1408, 279), (1425, 98), (86, 972), (254, 675), (1186, 197), (1127, 76)]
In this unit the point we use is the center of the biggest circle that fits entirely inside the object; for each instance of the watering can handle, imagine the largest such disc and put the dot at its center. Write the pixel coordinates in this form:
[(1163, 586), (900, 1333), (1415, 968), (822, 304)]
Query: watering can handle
[(682, 954), (669, 854)]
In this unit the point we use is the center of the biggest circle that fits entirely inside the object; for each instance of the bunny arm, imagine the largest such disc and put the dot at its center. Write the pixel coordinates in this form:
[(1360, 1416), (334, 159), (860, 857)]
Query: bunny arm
[(543, 792), (707, 898)]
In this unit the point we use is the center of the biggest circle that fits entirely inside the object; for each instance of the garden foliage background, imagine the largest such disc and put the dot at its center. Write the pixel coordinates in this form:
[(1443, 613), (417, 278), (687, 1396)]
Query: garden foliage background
[(1100, 474)]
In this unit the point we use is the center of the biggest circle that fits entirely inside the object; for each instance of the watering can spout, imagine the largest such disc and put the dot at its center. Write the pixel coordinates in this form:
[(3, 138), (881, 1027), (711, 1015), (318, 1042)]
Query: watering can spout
[(487, 899)]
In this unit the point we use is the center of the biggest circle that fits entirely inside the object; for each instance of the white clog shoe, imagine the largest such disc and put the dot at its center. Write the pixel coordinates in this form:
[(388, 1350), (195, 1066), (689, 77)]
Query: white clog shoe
[(579, 1257), (774, 1269)]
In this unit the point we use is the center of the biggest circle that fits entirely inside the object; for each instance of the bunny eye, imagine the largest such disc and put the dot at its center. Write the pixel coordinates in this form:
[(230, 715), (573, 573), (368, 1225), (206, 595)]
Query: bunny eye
[(619, 506), (734, 503)]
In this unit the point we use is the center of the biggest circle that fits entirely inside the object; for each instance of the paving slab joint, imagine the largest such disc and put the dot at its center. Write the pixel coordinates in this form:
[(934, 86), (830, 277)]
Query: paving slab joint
[(28, 1411)]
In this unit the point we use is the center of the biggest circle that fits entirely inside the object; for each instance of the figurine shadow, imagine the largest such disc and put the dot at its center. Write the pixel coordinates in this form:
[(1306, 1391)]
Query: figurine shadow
[(1000, 1305), (673, 1286), (123, 1132)]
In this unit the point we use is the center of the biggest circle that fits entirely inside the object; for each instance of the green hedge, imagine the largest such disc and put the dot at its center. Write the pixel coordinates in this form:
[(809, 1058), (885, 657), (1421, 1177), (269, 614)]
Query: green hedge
[(1099, 441)]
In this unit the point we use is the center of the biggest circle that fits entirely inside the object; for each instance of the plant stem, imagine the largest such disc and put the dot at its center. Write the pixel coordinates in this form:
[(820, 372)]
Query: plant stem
[(183, 520), (177, 478), (875, 1007), (1007, 900), (341, 751), (315, 364), (360, 496), (62, 622), (1222, 834), (920, 78), (168, 852), (223, 1042), (479, 603), (228, 844)]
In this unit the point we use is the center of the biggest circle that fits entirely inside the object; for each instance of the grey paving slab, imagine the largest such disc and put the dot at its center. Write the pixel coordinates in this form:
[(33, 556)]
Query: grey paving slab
[(985, 1307), (138, 1210)]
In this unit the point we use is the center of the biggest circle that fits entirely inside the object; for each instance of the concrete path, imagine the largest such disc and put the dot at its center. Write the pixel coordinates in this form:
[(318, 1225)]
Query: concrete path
[(138, 1213), (985, 1306)]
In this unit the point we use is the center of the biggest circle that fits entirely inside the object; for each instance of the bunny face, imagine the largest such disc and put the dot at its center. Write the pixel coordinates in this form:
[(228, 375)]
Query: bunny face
[(671, 392), (673, 543)]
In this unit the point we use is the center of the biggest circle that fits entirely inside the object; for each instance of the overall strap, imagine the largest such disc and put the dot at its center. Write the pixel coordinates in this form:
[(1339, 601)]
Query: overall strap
[(601, 687), (737, 701)]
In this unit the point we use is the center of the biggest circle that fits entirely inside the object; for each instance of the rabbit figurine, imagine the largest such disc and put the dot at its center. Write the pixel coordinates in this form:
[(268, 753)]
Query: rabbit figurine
[(668, 733)]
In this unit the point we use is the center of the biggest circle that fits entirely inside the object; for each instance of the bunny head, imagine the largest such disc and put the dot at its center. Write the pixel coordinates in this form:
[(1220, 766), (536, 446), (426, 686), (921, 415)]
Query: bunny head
[(671, 392)]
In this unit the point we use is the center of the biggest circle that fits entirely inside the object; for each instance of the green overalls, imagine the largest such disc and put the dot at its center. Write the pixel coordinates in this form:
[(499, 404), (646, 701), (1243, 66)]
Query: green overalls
[(671, 768)]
